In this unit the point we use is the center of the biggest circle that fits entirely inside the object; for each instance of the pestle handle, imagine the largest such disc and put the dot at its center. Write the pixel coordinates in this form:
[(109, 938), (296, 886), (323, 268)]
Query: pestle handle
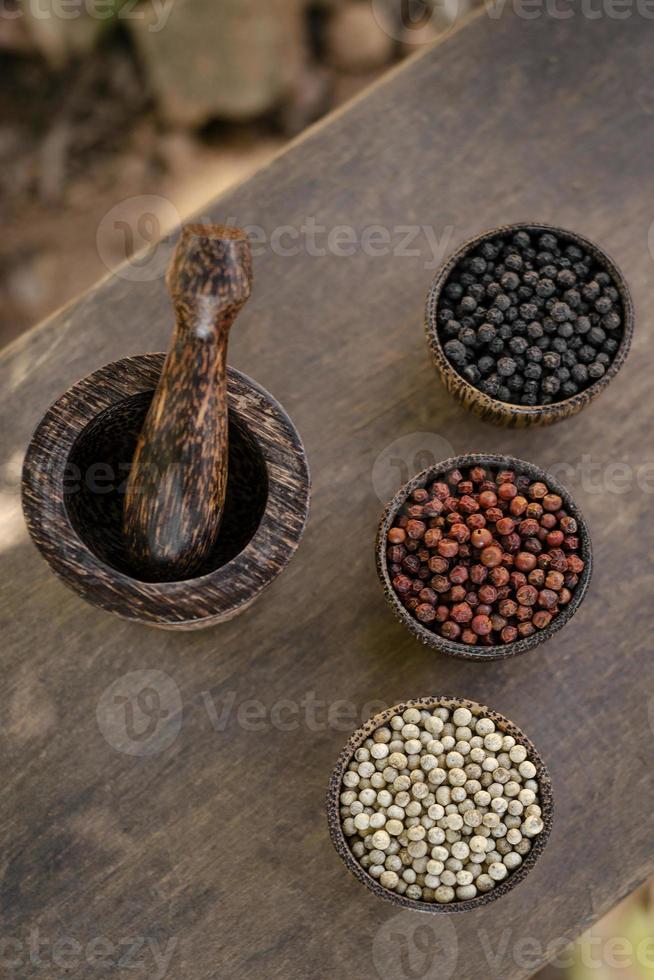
[(177, 483)]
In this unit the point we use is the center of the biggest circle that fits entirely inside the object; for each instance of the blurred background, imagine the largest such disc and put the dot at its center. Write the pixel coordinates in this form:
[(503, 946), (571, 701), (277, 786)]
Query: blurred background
[(132, 114)]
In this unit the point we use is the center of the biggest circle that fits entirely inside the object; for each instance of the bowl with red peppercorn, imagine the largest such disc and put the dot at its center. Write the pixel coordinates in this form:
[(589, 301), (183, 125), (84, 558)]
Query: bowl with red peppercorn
[(528, 323), (483, 557)]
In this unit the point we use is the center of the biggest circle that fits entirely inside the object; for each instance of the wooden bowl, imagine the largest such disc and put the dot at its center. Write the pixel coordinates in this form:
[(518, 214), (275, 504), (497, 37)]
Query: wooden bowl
[(74, 479), (504, 413), (463, 650), (335, 788)]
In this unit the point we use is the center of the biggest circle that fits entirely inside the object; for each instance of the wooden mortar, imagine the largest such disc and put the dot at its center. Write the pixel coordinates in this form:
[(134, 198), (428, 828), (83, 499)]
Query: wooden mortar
[(74, 480)]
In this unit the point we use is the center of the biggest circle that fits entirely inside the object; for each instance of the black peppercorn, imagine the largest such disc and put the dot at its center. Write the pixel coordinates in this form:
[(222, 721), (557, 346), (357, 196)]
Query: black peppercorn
[(527, 318)]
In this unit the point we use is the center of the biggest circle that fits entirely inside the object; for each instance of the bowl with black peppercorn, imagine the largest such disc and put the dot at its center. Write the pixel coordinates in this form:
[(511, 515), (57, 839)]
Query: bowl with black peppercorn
[(528, 323), (483, 557), (440, 805)]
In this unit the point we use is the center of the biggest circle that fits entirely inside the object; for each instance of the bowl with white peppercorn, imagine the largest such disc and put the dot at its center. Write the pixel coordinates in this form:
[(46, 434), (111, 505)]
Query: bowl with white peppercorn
[(528, 323), (440, 805), (483, 556)]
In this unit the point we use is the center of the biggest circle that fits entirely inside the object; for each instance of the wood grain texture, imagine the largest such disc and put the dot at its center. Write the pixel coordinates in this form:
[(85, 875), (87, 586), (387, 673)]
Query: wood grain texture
[(464, 650), (74, 483), (545, 801), (177, 483), (493, 409), (506, 120)]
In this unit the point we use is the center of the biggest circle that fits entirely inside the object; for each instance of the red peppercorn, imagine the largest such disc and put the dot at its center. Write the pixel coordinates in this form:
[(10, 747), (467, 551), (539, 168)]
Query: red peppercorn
[(552, 502), (416, 529), (497, 622), (524, 561), (459, 574), (481, 625), (397, 535), (525, 630), (478, 474), (442, 613), (476, 521), (565, 595), (451, 630), (483, 609), (452, 505), (433, 507), (457, 593), (555, 538), (554, 580), (396, 552), (420, 495), (507, 491), (428, 595), (432, 536), (440, 584), (478, 574), (537, 578), (487, 499), (511, 543), (487, 593), (571, 543), (468, 505), (568, 524), (481, 537), (518, 506), (537, 490), (459, 532), (411, 603), (440, 490), (505, 476), (570, 580), (541, 619), (499, 576), (465, 487), (505, 526), (491, 556), (517, 580), (467, 636), (527, 595), (534, 511), (402, 583), (461, 612), (425, 613), (411, 564), (415, 511), (447, 548), (508, 608), (454, 477), (437, 565), (528, 527), (472, 599), (547, 599), (509, 634)]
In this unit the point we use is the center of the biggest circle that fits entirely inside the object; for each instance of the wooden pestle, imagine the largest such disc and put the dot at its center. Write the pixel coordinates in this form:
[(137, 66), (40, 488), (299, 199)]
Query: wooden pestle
[(178, 478)]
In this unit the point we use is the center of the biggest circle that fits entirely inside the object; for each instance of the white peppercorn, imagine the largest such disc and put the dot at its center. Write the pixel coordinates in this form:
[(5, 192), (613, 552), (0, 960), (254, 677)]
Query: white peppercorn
[(440, 806)]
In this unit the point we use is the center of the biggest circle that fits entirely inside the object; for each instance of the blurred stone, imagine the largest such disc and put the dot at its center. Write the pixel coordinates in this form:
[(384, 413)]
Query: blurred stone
[(356, 42), (312, 99), (59, 38), (230, 60)]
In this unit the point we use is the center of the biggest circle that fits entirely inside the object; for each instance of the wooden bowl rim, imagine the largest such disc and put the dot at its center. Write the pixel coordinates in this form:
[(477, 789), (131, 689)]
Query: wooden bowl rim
[(465, 651), (558, 409), (174, 604), (335, 788)]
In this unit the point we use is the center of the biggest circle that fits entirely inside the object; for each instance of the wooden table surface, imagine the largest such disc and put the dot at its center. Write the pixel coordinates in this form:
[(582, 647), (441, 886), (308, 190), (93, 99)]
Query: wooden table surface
[(200, 836)]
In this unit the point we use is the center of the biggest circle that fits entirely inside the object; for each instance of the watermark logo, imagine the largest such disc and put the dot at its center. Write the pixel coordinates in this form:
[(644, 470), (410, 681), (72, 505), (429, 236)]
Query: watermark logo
[(409, 948), (154, 13), (130, 238), (417, 22), (403, 458), (140, 713)]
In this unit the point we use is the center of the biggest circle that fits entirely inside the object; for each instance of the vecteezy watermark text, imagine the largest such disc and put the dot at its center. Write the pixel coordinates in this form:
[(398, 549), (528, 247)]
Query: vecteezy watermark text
[(156, 12), (141, 955)]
